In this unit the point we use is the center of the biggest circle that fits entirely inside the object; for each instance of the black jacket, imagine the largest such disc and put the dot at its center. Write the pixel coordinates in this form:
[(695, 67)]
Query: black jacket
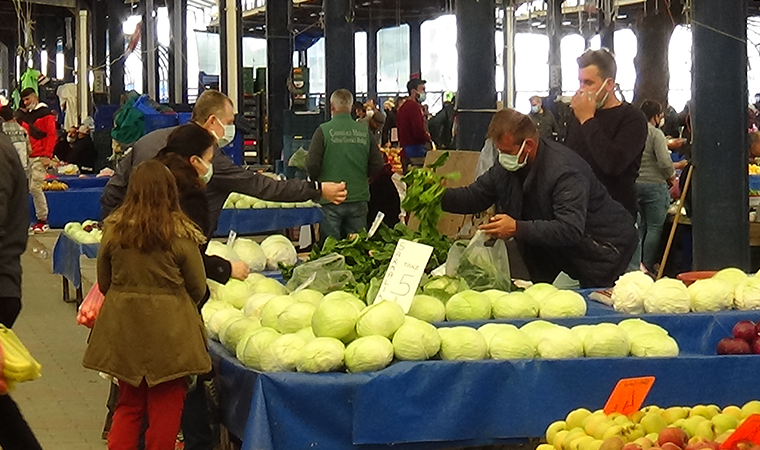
[(14, 218), (228, 177), (83, 154), (566, 220)]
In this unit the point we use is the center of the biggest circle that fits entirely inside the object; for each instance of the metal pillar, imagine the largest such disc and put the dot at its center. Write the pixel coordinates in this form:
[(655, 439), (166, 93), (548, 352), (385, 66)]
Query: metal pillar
[(116, 48), (415, 48), (340, 57), (554, 32), (69, 49), (51, 45), (279, 69), (372, 60), (99, 32), (150, 50), (508, 63), (178, 51), (83, 58), (5, 78), (476, 96), (231, 45), (719, 120)]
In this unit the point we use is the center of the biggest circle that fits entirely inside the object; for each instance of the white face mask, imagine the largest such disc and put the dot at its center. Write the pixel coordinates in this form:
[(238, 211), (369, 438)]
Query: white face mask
[(229, 135), (512, 162), (71, 139), (421, 96), (662, 122), (370, 113), (206, 177), (600, 103)]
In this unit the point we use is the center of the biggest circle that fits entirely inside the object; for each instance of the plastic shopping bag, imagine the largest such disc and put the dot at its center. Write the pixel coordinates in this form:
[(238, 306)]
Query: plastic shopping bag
[(326, 274), (4, 388), (90, 307), (18, 363), (483, 264)]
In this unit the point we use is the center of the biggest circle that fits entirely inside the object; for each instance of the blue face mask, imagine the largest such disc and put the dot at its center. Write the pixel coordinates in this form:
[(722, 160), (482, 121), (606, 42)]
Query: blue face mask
[(534, 109), (512, 162)]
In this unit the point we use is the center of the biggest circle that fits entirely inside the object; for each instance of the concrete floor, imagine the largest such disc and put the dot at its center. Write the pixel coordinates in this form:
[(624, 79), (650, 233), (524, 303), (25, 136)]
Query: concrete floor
[(66, 406)]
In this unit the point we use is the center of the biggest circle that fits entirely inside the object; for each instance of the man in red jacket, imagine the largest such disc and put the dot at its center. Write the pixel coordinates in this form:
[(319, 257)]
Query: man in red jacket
[(39, 123), (413, 136)]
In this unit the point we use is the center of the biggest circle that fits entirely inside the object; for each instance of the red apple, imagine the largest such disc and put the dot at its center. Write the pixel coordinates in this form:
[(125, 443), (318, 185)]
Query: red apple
[(670, 446), (673, 436), (756, 350), (733, 346), (745, 329)]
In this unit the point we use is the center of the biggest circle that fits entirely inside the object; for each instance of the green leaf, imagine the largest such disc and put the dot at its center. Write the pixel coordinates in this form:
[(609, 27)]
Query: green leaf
[(440, 161)]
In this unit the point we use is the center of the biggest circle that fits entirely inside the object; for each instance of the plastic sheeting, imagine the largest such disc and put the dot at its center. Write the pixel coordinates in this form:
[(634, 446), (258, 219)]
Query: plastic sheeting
[(254, 221), (66, 255), (439, 404)]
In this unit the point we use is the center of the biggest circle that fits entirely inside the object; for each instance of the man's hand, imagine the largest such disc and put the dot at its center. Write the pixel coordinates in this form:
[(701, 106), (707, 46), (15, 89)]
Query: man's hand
[(334, 192), (501, 226), (240, 270), (584, 106)]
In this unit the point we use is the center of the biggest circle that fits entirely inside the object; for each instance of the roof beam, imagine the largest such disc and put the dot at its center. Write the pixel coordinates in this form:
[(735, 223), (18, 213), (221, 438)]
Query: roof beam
[(71, 4)]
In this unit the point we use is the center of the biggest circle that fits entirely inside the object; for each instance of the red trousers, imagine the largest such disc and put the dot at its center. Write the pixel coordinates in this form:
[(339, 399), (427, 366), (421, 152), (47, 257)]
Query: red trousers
[(161, 404)]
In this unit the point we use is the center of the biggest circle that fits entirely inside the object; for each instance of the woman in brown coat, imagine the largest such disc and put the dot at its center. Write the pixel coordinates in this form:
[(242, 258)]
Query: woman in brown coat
[(149, 334)]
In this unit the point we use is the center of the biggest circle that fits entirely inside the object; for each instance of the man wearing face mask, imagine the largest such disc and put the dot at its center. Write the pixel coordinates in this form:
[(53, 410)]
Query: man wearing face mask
[(548, 199), (608, 133), (413, 136), (544, 120), (213, 111)]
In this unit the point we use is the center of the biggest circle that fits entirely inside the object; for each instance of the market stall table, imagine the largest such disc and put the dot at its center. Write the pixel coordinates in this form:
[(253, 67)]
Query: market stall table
[(81, 182), (442, 404), (255, 221), (72, 205), (66, 262)]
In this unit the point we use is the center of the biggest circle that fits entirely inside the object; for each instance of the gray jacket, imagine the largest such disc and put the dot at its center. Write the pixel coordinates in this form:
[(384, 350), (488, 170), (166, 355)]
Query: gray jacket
[(228, 177), (656, 165), (14, 218)]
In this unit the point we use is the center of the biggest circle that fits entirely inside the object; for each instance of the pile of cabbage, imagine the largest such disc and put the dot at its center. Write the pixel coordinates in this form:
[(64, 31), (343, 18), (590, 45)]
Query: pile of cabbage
[(268, 255), (272, 330), (87, 232), (242, 201), (731, 288), (447, 298)]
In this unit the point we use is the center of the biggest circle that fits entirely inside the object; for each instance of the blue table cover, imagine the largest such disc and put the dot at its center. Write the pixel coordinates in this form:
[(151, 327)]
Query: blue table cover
[(73, 205), (77, 182), (254, 221), (66, 254), (439, 404)]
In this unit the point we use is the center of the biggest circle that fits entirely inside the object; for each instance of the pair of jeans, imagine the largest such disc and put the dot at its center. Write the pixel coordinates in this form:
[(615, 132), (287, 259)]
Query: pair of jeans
[(654, 200), (15, 433), (341, 220)]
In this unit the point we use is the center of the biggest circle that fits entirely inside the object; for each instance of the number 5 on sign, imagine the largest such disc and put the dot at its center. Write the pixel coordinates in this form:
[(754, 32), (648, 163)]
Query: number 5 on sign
[(628, 395), (404, 273)]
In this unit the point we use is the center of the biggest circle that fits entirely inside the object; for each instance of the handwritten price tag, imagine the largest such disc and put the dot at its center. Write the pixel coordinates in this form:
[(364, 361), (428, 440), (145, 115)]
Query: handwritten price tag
[(628, 395), (749, 430), (404, 273), (231, 238)]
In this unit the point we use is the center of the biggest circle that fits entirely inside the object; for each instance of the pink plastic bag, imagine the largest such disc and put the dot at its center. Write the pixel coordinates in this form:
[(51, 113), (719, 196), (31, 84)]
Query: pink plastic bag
[(90, 307)]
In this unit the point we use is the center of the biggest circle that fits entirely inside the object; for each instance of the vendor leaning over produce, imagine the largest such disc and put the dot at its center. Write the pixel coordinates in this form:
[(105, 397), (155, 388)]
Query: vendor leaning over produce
[(213, 111), (549, 200)]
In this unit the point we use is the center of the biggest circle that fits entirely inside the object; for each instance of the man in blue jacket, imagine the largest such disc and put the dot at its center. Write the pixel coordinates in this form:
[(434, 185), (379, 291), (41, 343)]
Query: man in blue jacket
[(549, 200)]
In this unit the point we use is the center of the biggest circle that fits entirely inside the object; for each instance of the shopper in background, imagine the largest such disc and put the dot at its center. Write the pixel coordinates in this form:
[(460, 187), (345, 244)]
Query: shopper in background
[(442, 124), (544, 119), (37, 120), (390, 123), (149, 334), (413, 136), (213, 111), (656, 175), (548, 199), (375, 121), (341, 151), (15, 433), (17, 134), (83, 153)]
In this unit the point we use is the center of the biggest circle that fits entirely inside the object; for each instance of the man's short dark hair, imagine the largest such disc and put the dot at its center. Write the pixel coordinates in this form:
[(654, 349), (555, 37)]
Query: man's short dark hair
[(603, 59), (413, 84), (27, 92), (651, 108), (6, 112)]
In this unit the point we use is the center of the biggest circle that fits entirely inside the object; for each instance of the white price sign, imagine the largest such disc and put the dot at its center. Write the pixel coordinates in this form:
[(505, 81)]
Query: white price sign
[(404, 273)]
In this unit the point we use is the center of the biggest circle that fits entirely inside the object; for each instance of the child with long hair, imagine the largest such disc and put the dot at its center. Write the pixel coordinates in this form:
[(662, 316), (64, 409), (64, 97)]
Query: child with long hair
[(149, 334)]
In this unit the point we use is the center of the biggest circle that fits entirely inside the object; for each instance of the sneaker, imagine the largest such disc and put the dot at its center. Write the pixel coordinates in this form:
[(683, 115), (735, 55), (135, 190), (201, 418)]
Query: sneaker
[(40, 227)]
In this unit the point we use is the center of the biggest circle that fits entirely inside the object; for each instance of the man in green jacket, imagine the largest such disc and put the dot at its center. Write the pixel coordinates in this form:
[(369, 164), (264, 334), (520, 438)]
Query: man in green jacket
[(341, 150)]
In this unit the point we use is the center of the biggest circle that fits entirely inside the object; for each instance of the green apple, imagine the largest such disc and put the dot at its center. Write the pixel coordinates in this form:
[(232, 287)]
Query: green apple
[(545, 447), (575, 418), (733, 410), (749, 408), (636, 416), (574, 434), (594, 416), (581, 442), (706, 430), (705, 411), (674, 413), (653, 437), (612, 431), (601, 428), (653, 422), (554, 428), (644, 443), (595, 445), (622, 421), (690, 425), (559, 438), (632, 432), (724, 422)]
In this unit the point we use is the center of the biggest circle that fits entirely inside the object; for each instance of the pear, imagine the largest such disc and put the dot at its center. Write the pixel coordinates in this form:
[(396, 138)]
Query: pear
[(706, 430), (554, 428), (559, 438), (733, 410), (575, 418), (674, 413), (653, 423), (724, 422), (749, 408)]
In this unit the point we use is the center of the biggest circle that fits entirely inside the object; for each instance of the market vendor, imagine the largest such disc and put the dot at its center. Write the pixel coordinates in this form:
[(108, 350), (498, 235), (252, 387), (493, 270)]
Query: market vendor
[(549, 200)]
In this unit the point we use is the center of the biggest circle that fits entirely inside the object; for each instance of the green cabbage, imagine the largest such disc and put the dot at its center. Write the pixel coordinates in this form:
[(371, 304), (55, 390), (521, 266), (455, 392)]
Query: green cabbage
[(582, 330), (217, 320), (278, 249), (732, 275), (368, 354), (427, 308), (537, 329), (667, 296), (234, 329), (462, 344), (269, 286), (711, 295), (468, 305), (211, 307), (282, 354), (250, 253), (654, 344), (563, 304), (747, 294), (560, 343), (511, 343), (216, 248), (254, 278), (444, 287), (307, 334), (606, 340), (540, 291), (381, 319), (490, 329), (250, 351), (512, 305), (416, 340), (308, 295), (295, 316), (256, 303), (628, 294), (319, 355), (235, 292), (270, 313), (354, 300), (334, 317)]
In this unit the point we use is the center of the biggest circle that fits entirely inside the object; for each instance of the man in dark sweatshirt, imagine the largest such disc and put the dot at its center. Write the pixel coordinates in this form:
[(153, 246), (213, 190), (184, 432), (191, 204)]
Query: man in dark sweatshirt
[(608, 133)]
